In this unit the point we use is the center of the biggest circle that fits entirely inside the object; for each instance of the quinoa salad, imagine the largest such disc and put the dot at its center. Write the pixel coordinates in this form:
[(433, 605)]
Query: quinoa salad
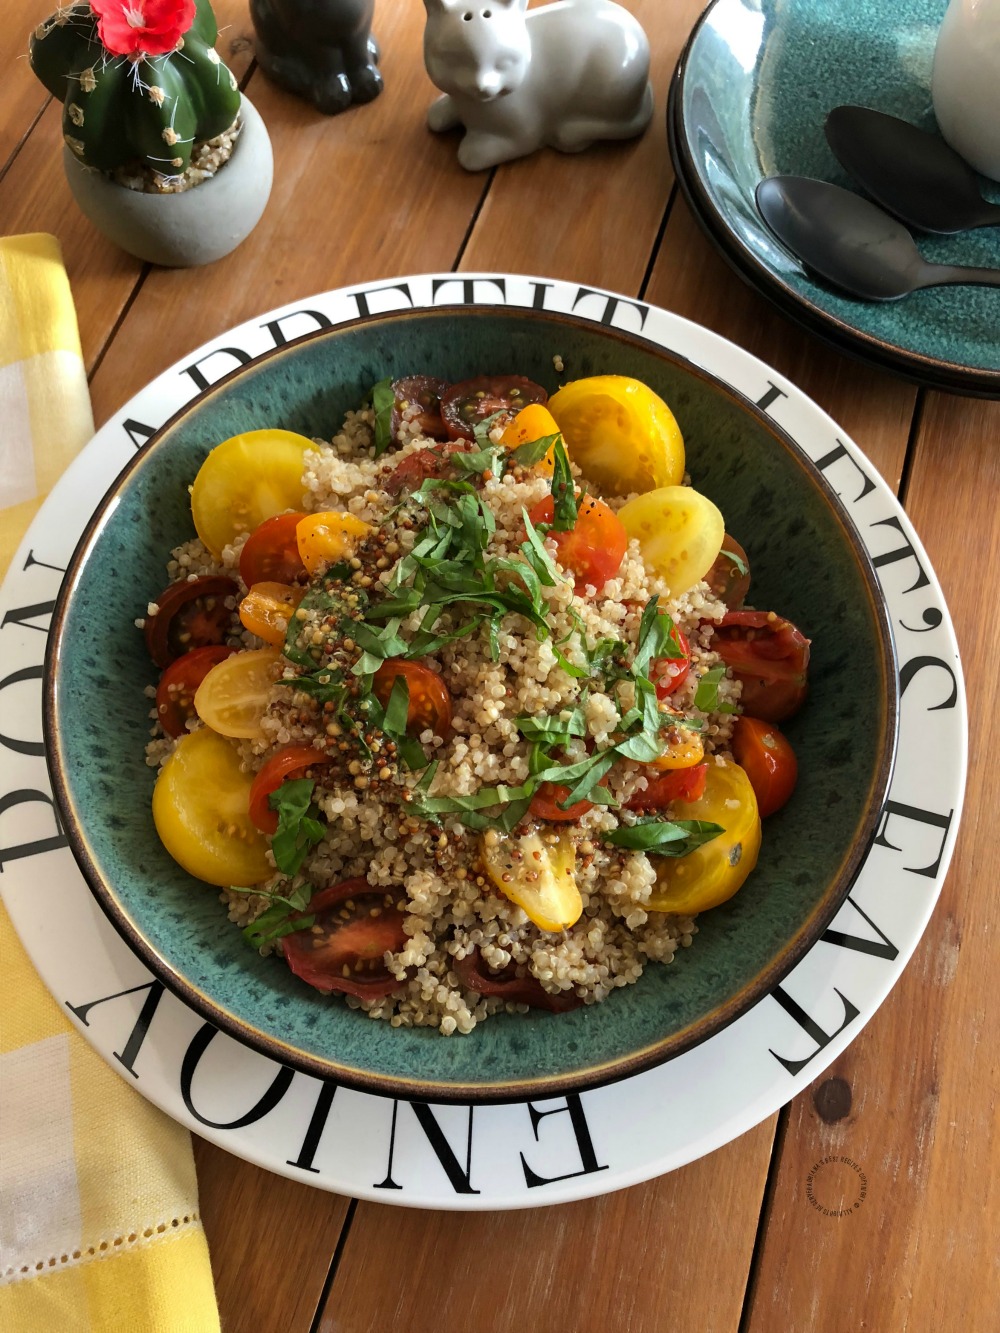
[(462, 710)]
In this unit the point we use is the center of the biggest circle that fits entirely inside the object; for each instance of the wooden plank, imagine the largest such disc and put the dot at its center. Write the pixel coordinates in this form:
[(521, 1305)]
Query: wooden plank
[(270, 1240), (922, 1250), (23, 96), (691, 278), (594, 217), (34, 196), (356, 197), (671, 1253)]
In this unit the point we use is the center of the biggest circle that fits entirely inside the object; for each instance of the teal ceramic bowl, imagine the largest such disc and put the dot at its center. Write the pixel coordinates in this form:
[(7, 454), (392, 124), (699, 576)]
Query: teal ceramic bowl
[(749, 99), (807, 562)]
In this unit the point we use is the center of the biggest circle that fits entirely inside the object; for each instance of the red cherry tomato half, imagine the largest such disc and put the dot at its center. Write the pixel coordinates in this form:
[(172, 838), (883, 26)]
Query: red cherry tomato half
[(425, 392), (674, 784), (191, 613), (669, 673), (422, 465), (356, 928), (592, 550), (474, 974), (430, 702), (768, 760), (545, 804), (770, 656), (729, 577), (291, 762), (271, 553), (176, 690), (466, 404)]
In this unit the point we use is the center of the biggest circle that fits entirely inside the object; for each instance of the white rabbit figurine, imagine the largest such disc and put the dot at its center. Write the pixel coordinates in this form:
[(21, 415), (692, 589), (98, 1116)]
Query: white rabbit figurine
[(563, 75)]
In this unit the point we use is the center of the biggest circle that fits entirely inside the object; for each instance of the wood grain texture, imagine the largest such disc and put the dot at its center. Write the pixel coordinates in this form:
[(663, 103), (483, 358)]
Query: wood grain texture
[(22, 95), (625, 1261), (270, 1242), (923, 1250), (364, 195), (593, 217), (691, 278)]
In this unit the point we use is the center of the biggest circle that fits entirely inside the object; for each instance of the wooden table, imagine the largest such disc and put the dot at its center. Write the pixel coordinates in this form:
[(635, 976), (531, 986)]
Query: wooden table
[(730, 1242)]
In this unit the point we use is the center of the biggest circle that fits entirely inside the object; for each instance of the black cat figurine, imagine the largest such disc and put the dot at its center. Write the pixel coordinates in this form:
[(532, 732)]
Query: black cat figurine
[(321, 50)]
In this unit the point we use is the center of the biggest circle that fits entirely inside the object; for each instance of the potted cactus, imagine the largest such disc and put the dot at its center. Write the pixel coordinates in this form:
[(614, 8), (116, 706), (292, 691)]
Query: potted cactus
[(162, 152)]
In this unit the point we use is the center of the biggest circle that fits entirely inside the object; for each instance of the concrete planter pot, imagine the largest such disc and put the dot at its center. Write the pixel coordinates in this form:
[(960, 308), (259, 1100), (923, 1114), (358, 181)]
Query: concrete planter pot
[(183, 230)]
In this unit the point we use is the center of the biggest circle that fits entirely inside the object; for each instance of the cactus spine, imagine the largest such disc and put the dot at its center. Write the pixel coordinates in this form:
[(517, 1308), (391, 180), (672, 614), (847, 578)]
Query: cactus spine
[(119, 112)]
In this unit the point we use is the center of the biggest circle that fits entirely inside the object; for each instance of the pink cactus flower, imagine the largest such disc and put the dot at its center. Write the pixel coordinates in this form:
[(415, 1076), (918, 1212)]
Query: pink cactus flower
[(142, 27)]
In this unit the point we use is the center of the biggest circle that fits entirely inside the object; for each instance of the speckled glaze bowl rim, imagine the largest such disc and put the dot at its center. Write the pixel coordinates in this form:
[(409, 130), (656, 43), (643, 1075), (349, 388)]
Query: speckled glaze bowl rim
[(951, 376), (74, 824)]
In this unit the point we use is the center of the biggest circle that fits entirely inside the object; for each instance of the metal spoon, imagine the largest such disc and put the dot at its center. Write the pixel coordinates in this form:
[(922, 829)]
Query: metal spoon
[(852, 243), (908, 171)]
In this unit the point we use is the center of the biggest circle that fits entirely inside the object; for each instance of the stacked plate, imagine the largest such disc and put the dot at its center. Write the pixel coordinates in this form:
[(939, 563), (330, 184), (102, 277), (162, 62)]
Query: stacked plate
[(748, 100)]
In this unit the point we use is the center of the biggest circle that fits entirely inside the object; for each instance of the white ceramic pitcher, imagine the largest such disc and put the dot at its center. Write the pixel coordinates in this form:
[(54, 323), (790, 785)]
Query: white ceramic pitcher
[(966, 82)]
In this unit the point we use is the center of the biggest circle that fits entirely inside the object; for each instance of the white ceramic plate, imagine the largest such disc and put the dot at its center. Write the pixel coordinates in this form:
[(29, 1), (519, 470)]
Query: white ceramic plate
[(490, 1157)]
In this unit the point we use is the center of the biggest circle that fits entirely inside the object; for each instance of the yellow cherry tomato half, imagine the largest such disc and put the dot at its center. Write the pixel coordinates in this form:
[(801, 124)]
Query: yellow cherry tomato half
[(621, 434), (684, 748), (232, 702), (538, 876), (201, 812), (267, 608), (245, 480), (325, 538), (680, 532), (534, 422), (713, 872)]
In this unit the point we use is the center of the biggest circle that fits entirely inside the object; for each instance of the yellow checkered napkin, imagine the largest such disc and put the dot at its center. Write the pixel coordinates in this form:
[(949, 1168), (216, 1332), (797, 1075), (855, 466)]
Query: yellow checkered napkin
[(99, 1228)]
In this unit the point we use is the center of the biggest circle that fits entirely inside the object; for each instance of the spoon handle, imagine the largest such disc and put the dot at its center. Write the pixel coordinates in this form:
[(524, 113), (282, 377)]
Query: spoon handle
[(942, 275)]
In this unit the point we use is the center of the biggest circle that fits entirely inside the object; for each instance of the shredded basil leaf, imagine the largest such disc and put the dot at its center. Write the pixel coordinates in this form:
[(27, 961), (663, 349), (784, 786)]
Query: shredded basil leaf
[(298, 828), (527, 455), (741, 565), (397, 709), (276, 922), (563, 490), (383, 401), (707, 694), (664, 837)]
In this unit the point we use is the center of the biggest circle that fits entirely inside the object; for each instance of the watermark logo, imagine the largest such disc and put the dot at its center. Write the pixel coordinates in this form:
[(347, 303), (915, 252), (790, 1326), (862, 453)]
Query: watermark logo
[(836, 1186)]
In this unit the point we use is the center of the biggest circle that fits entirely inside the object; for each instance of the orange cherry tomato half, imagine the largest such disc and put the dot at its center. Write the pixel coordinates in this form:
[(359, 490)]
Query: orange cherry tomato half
[(430, 702), (356, 928), (292, 762), (768, 760), (545, 804), (592, 550), (678, 784), (191, 613), (325, 538), (271, 553), (178, 684), (267, 608)]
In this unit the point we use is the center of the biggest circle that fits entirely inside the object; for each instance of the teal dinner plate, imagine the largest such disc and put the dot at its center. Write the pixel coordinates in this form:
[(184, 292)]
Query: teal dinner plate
[(808, 562), (749, 99)]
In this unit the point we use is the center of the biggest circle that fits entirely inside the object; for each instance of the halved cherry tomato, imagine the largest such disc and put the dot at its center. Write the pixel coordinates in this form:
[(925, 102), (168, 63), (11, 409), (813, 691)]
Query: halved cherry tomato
[(246, 479), (233, 696), (466, 404), (430, 702), (474, 974), (425, 392), (325, 538), (708, 876), (545, 804), (267, 608), (344, 948), (534, 422), (729, 577), (621, 435), (271, 553), (768, 760), (677, 784), (679, 531), (683, 747), (538, 875), (191, 613), (770, 656), (201, 812), (669, 673), (592, 550), (292, 762), (422, 465), (179, 683)]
